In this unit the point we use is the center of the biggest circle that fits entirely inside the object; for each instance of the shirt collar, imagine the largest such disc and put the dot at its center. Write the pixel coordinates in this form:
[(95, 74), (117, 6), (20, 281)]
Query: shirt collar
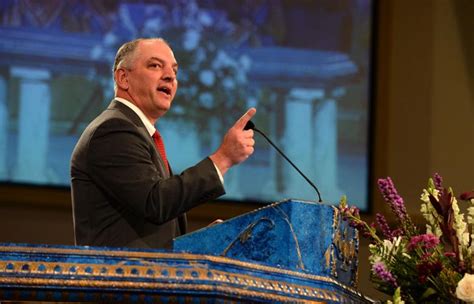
[(148, 125)]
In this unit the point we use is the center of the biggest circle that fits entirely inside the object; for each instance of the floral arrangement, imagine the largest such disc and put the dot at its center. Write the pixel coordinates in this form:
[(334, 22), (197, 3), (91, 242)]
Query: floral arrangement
[(213, 72), (415, 265)]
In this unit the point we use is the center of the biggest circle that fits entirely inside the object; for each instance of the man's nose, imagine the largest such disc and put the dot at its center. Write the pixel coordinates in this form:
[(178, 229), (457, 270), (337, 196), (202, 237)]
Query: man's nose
[(168, 74)]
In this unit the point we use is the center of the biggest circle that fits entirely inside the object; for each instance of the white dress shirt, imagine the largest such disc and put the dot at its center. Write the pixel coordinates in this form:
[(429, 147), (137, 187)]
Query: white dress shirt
[(150, 127)]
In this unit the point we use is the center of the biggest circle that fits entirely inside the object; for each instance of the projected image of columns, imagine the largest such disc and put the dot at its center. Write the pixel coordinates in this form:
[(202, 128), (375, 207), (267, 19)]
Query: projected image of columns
[(33, 125)]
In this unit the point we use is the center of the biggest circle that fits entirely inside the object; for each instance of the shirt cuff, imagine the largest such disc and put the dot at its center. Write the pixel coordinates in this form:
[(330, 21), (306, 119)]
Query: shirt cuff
[(218, 173)]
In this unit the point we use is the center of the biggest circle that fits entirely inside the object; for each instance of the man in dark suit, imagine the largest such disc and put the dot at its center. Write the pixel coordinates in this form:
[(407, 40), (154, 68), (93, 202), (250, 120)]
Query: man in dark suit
[(123, 191)]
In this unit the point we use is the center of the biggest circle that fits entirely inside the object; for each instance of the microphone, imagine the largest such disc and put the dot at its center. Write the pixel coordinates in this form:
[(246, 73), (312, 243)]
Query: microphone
[(251, 126)]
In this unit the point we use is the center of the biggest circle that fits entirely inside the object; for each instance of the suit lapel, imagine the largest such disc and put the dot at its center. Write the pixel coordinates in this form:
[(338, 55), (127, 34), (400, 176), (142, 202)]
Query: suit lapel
[(135, 119)]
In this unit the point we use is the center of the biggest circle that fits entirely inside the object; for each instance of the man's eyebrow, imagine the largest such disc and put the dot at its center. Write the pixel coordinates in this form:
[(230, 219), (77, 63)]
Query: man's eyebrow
[(174, 65)]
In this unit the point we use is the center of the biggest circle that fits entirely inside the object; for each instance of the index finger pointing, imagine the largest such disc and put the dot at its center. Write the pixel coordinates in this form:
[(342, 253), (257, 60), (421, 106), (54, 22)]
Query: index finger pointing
[(240, 124)]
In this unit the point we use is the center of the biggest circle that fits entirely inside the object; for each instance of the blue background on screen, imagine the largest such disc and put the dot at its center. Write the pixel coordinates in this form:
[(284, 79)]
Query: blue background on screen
[(305, 66)]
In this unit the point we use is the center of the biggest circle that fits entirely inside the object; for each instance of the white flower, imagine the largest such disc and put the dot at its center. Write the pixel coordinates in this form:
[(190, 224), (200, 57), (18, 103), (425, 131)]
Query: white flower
[(470, 220), (386, 251), (178, 109), (110, 39), (392, 245), (425, 196), (222, 60), (192, 8), (429, 213), (374, 254), (126, 20), (465, 288), (245, 62), (193, 90), (228, 83), (206, 100), (183, 75), (205, 18), (460, 226), (397, 241), (398, 301), (207, 77), (252, 102), (96, 52), (240, 76), (152, 26), (191, 39), (470, 213), (388, 245), (200, 55)]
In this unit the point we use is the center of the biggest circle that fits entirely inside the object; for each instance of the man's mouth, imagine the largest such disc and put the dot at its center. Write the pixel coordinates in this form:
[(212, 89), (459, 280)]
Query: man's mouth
[(165, 90)]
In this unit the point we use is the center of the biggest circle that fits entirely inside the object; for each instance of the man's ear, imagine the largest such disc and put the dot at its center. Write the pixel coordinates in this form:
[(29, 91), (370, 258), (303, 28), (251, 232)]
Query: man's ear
[(121, 79)]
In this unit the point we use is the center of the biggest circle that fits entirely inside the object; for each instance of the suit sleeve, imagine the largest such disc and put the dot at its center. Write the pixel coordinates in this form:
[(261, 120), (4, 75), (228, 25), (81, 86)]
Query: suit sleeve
[(120, 162)]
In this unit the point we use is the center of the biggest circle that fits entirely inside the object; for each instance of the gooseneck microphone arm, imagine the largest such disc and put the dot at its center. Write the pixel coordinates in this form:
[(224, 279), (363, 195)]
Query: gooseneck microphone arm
[(251, 126)]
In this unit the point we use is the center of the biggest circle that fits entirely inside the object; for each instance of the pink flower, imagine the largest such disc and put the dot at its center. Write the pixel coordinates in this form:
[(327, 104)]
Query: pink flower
[(466, 196), (450, 254), (423, 241)]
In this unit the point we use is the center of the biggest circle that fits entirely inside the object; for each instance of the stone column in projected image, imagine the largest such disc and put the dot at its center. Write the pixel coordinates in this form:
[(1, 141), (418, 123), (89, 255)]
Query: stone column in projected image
[(311, 142), (325, 150), (3, 129), (182, 143), (33, 125)]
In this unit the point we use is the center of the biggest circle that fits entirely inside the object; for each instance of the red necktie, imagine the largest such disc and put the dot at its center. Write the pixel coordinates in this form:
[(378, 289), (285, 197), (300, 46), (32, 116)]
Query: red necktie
[(161, 148)]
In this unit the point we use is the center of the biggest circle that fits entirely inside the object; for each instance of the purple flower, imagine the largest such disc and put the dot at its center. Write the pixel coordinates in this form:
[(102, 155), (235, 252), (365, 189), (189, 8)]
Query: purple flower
[(382, 222), (352, 216), (424, 241), (438, 182), (381, 271), (391, 196), (397, 232)]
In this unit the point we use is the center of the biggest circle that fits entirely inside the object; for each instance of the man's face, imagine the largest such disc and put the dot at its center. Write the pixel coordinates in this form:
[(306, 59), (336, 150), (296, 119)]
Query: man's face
[(152, 78)]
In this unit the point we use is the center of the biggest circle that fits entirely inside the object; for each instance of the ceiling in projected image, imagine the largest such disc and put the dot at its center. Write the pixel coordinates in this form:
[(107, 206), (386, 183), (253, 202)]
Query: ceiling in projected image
[(303, 64)]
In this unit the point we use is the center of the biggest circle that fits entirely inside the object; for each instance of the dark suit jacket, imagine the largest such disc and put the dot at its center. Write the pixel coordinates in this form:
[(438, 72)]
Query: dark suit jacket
[(121, 194)]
